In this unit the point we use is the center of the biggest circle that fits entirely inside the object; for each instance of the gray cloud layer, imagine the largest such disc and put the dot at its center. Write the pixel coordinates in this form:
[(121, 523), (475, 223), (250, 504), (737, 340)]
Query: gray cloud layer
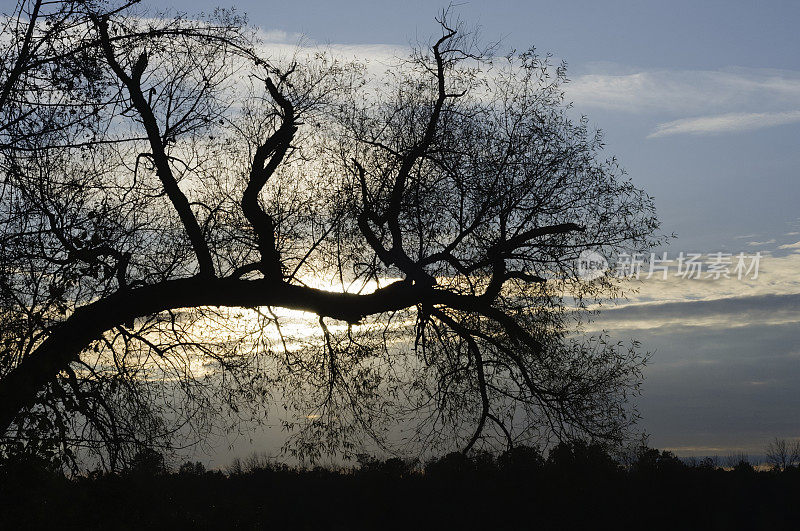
[(717, 388)]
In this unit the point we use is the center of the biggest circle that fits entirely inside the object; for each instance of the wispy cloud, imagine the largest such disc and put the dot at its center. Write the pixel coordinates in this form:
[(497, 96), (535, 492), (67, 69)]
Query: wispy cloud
[(725, 123), (724, 313), (687, 91), (698, 102)]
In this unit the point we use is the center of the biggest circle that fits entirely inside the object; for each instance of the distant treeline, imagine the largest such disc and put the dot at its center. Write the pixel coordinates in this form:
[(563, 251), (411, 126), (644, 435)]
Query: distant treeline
[(577, 485)]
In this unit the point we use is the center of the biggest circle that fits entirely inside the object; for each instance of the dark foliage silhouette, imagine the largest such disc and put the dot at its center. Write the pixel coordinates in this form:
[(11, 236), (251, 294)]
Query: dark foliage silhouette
[(578, 485)]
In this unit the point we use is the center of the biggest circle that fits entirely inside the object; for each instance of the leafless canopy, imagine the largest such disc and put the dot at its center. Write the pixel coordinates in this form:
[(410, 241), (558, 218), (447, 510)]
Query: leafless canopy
[(170, 190)]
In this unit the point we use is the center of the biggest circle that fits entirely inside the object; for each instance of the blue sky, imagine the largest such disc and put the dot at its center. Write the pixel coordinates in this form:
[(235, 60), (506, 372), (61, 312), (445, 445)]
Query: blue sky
[(677, 34), (700, 101)]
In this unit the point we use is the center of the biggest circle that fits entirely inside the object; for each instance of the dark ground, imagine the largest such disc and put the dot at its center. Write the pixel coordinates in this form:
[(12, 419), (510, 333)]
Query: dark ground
[(577, 487)]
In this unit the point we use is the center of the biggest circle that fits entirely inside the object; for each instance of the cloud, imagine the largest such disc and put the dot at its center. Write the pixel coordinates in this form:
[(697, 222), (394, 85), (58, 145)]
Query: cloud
[(766, 94), (725, 123), (795, 245), (282, 43), (277, 36), (724, 313), (744, 98), (772, 298), (688, 91), (698, 102), (776, 275)]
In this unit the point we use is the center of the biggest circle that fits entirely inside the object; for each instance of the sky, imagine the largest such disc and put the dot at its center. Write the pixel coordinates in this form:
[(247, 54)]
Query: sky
[(700, 102)]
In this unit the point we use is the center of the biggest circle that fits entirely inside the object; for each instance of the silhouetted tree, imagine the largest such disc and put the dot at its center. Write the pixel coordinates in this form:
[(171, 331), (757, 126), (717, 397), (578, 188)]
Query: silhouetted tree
[(737, 461), (458, 465), (390, 468), (743, 466), (521, 461), (190, 468), (783, 454), (147, 462), (167, 194), (652, 461), (581, 457)]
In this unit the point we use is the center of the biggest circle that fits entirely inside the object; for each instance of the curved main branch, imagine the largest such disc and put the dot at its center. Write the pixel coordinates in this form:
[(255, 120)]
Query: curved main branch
[(19, 388)]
